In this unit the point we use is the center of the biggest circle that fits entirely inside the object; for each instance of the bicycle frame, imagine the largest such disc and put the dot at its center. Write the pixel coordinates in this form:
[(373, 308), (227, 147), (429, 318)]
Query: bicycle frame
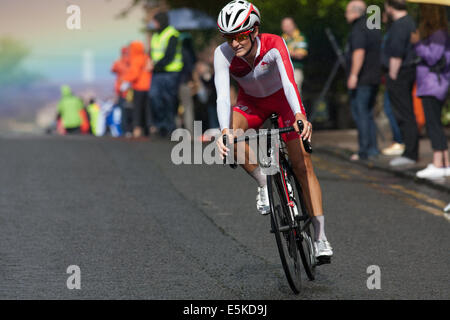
[(283, 163), (281, 160)]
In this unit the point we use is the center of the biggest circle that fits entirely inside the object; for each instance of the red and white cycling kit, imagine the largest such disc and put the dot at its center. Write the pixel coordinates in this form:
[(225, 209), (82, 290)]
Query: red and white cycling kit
[(267, 88)]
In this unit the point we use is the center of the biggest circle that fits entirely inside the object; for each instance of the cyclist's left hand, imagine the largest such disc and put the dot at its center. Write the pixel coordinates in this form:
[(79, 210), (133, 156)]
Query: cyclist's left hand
[(307, 127)]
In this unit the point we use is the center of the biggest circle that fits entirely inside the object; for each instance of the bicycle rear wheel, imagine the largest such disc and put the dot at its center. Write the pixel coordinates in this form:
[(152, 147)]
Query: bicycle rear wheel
[(307, 251), (284, 229)]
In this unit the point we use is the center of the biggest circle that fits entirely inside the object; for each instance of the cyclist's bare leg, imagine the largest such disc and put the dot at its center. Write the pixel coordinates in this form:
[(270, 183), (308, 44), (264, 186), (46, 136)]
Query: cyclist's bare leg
[(304, 171), (245, 157), (240, 122)]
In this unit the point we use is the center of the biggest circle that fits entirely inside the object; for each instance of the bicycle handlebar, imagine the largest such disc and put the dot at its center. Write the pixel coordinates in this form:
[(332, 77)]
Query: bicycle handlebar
[(306, 143)]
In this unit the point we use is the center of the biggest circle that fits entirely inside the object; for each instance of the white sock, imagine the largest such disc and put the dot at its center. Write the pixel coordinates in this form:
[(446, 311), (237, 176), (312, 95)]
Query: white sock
[(260, 177), (319, 228)]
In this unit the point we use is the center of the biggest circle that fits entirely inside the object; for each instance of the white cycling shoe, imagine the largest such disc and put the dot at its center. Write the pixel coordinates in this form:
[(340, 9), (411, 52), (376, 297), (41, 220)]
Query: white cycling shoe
[(262, 201), (324, 251)]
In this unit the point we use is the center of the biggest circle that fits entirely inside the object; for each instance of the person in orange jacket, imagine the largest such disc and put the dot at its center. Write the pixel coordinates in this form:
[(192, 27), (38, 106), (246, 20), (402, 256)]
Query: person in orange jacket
[(138, 77), (120, 67)]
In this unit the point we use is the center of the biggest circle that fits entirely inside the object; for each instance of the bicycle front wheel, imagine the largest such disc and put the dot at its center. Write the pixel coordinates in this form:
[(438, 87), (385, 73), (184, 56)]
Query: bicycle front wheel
[(305, 226), (284, 229)]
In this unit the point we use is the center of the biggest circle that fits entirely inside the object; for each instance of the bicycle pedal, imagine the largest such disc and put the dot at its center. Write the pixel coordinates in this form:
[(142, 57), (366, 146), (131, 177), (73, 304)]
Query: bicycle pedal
[(323, 260)]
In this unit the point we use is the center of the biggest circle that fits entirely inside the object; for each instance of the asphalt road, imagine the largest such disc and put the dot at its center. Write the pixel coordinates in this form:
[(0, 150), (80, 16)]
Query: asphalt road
[(140, 227)]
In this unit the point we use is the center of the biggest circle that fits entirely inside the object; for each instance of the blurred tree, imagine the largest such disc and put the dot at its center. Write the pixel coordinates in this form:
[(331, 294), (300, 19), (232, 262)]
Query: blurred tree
[(12, 54)]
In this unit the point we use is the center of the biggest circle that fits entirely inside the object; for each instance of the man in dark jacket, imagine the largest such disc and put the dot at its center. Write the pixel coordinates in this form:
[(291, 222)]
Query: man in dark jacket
[(401, 78), (364, 73)]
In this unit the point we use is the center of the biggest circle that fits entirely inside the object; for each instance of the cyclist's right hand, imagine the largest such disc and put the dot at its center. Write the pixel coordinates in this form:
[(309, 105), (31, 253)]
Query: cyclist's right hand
[(223, 150)]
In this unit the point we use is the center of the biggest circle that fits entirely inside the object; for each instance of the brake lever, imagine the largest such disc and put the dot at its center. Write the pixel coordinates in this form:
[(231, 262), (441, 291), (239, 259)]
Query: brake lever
[(225, 142), (306, 143)]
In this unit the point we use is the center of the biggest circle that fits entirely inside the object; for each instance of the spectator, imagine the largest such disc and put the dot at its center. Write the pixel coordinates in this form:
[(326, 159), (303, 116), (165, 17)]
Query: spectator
[(401, 78), (120, 68), (69, 109), (166, 54), (127, 114), (364, 61), (204, 91), (397, 147), (102, 124), (432, 45), (138, 77), (189, 59), (297, 46), (93, 110)]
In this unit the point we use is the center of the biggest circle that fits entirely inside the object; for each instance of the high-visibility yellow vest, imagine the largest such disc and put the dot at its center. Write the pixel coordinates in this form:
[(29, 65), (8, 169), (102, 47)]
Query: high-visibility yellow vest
[(159, 44), (94, 111)]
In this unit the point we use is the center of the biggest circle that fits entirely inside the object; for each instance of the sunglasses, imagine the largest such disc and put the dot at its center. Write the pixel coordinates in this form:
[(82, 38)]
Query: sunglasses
[(238, 37)]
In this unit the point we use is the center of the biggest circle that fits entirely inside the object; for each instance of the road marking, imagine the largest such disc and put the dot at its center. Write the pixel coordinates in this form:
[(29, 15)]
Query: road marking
[(331, 168), (410, 201), (408, 196), (418, 195)]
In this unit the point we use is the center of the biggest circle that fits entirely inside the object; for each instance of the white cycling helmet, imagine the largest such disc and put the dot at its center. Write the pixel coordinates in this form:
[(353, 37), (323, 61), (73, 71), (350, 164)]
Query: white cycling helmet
[(238, 16)]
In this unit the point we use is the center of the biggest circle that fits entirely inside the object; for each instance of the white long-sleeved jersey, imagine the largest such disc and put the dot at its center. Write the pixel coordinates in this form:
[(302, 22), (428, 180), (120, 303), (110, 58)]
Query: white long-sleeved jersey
[(272, 71)]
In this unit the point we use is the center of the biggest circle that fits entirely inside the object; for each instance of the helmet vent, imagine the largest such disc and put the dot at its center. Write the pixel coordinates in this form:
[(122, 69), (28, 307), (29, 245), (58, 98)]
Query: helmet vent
[(227, 19), (253, 12), (246, 23), (237, 16)]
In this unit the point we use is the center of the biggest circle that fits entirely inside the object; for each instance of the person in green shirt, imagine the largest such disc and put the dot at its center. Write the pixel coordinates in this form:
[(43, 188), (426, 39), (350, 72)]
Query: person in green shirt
[(297, 46), (69, 108)]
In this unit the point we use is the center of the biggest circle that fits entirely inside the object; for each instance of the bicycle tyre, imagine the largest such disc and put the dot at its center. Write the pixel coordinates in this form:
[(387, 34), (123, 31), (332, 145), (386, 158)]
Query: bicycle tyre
[(307, 251), (306, 229), (286, 240)]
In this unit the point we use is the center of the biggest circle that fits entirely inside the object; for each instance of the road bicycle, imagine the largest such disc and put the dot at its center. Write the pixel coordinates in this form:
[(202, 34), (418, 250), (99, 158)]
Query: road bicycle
[(290, 221)]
